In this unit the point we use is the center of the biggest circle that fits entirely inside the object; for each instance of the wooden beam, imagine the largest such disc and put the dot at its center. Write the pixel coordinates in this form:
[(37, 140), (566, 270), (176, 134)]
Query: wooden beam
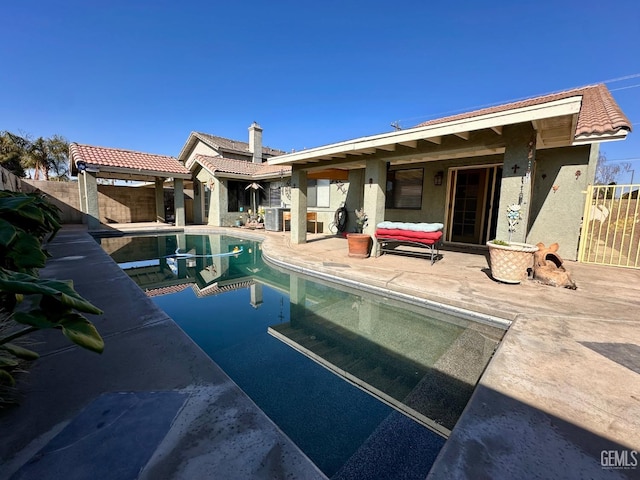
[(436, 140), (389, 148), (463, 135), (330, 173), (366, 151), (410, 144), (498, 129)]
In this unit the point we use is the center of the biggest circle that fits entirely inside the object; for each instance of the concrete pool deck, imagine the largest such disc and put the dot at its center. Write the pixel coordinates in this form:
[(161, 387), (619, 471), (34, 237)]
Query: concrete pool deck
[(562, 388)]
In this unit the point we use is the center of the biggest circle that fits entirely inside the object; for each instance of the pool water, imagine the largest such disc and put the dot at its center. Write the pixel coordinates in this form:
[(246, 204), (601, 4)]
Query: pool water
[(347, 375)]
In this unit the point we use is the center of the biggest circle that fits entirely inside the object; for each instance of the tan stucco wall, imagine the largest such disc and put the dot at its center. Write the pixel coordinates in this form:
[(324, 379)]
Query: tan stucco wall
[(201, 149), (556, 215)]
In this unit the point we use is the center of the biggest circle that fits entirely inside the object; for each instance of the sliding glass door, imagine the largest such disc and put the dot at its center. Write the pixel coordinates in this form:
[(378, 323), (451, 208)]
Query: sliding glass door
[(473, 203)]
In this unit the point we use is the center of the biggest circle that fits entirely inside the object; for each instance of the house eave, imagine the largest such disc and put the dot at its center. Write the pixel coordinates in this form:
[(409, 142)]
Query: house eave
[(600, 138), (565, 107), (105, 171)]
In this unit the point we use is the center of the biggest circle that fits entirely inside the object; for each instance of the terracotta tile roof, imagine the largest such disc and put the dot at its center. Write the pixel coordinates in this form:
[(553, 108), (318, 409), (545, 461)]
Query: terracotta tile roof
[(599, 113), (234, 145), (156, 292), (220, 164), (115, 157), (215, 289)]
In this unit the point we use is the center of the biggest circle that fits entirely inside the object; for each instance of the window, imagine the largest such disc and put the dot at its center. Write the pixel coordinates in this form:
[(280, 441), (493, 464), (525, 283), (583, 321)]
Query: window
[(318, 193), (238, 196), (275, 197), (404, 189)]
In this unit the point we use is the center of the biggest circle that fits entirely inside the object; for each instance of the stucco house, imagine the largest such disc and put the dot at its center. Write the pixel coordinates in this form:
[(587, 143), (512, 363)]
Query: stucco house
[(465, 170), (462, 170), (230, 177)]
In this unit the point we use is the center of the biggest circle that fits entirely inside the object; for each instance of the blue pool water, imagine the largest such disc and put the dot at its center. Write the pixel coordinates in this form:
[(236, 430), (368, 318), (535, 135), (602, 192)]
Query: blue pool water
[(287, 342)]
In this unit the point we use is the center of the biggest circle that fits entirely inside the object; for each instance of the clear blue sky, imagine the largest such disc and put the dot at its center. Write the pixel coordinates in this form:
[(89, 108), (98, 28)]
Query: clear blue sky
[(142, 75)]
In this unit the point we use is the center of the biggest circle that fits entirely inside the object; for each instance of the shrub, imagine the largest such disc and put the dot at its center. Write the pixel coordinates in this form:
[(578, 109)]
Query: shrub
[(27, 302)]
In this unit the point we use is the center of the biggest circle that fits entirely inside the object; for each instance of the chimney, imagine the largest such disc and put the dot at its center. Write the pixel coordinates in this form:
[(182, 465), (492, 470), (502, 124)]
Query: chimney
[(255, 142)]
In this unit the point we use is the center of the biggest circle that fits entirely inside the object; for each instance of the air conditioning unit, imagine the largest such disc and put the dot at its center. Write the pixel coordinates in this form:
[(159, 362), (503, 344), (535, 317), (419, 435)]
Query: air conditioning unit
[(273, 218)]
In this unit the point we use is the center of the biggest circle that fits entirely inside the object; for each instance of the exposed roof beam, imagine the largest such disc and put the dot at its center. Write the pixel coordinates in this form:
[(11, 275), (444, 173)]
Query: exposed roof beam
[(388, 148), (538, 129), (574, 125), (463, 135), (410, 144), (497, 129), (468, 151), (436, 140)]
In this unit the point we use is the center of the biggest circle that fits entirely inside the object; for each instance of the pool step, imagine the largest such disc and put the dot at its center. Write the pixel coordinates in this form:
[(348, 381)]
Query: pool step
[(370, 364)]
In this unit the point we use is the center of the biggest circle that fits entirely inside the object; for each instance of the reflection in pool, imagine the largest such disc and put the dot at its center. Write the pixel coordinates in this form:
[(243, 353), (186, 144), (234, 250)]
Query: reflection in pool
[(332, 367)]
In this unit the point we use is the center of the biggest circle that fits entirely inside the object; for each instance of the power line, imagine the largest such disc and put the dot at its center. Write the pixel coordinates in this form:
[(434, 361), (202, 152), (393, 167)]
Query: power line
[(470, 109), (624, 88), (619, 79)]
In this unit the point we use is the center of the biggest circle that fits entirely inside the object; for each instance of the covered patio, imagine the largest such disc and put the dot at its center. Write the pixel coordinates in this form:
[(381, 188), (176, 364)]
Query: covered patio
[(518, 153), (90, 163)]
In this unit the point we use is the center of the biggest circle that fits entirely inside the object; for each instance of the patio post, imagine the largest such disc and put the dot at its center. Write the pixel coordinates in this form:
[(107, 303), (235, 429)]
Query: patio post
[(517, 178), (375, 181), (218, 202), (160, 200), (178, 201), (91, 210), (298, 206), (82, 192), (198, 196)]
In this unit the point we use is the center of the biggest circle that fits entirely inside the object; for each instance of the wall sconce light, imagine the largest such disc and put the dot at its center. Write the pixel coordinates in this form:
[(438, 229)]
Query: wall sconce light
[(437, 178)]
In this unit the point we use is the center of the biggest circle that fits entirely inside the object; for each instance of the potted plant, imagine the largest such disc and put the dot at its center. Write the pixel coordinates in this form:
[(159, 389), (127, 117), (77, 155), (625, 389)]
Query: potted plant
[(359, 243), (511, 262)]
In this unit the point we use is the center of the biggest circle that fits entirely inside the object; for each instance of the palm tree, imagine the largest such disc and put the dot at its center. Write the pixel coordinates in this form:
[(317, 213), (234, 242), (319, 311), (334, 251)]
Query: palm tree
[(45, 155), (11, 152)]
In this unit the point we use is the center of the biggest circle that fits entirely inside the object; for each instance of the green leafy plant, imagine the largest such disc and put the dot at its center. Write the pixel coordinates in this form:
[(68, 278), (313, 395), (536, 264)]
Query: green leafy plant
[(500, 242), (27, 302)]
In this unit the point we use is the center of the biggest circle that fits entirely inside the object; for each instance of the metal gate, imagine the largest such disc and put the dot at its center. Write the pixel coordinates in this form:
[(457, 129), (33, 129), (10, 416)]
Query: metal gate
[(611, 226)]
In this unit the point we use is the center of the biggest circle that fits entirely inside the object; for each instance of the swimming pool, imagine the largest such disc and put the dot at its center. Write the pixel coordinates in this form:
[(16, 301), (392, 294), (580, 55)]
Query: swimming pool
[(340, 371)]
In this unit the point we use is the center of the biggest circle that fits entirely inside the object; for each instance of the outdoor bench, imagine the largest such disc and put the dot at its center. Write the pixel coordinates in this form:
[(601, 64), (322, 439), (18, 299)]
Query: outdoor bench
[(311, 217), (390, 235)]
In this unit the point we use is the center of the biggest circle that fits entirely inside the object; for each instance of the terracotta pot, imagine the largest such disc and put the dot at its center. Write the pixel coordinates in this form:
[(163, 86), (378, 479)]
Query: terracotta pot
[(359, 245), (511, 263)]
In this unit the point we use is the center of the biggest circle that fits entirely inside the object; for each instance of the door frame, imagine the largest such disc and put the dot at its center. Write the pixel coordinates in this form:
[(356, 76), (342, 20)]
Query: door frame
[(490, 193)]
